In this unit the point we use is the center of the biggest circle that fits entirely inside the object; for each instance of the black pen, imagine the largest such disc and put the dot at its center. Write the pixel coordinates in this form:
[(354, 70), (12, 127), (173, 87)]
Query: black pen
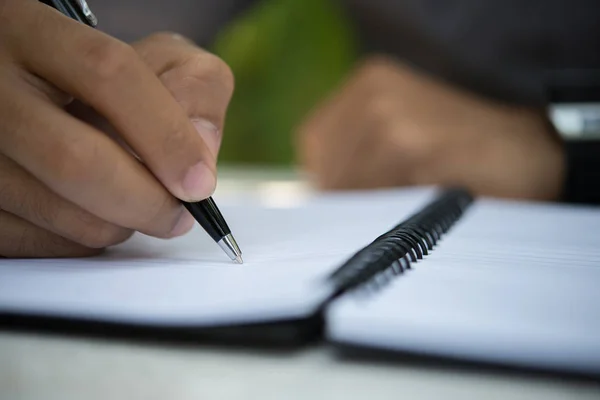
[(206, 211)]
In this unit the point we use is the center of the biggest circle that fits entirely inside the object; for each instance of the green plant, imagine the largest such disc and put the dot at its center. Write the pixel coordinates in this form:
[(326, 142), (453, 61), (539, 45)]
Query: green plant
[(286, 55)]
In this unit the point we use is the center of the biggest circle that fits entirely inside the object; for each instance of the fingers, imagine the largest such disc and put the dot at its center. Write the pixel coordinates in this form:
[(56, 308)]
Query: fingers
[(200, 82), (109, 76), (23, 196), (86, 167), (333, 140), (392, 126), (22, 239)]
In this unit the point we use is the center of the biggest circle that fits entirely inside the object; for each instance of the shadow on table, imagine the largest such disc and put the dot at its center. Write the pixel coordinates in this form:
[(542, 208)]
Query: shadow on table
[(358, 355), (282, 336), (285, 338)]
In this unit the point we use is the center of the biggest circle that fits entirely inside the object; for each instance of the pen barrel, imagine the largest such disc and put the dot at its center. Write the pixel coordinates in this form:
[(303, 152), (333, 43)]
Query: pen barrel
[(69, 8), (209, 217)]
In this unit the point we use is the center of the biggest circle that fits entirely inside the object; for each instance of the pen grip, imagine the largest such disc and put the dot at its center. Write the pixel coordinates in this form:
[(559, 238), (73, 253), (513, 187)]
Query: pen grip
[(209, 217)]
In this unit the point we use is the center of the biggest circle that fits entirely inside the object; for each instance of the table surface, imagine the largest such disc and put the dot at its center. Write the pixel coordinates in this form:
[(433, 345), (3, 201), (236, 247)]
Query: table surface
[(38, 366), (59, 368)]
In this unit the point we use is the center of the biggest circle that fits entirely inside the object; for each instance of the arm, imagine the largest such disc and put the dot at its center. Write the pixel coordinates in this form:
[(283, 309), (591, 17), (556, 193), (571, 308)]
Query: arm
[(462, 103)]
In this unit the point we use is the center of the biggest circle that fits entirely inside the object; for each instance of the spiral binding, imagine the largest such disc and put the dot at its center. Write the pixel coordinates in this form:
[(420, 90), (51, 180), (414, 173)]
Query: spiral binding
[(405, 243)]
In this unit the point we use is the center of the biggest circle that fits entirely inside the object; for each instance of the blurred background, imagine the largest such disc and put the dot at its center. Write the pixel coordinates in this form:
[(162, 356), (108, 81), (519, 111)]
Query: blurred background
[(287, 55)]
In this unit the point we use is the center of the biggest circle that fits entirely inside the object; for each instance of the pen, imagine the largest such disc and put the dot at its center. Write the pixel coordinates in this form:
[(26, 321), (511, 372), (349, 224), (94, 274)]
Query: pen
[(205, 212)]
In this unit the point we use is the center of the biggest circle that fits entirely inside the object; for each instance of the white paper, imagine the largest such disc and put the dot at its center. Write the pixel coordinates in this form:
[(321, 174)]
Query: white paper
[(515, 283), (190, 282)]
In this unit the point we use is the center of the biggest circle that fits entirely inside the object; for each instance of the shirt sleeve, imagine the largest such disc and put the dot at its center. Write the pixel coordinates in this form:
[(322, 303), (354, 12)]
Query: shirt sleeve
[(511, 50), (582, 180)]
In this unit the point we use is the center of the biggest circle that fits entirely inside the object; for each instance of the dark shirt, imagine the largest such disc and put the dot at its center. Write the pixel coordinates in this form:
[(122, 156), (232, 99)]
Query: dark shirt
[(200, 20), (530, 52), (582, 183), (519, 51)]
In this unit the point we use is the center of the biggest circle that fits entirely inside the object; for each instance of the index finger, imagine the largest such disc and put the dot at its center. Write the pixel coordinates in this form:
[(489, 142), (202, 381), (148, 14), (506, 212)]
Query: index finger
[(200, 82), (109, 76)]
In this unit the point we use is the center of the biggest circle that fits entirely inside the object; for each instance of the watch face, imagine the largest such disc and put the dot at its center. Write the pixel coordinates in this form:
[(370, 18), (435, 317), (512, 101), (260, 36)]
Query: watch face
[(576, 120)]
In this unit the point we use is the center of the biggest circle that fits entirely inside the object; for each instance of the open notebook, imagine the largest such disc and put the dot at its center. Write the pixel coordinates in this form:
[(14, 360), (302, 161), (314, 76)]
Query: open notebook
[(420, 270)]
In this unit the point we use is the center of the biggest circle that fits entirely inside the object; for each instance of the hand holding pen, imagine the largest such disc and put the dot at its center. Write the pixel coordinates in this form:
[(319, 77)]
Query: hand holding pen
[(73, 187)]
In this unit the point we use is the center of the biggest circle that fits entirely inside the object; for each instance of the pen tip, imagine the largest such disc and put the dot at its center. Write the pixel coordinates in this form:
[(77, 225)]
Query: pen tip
[(230, 247)]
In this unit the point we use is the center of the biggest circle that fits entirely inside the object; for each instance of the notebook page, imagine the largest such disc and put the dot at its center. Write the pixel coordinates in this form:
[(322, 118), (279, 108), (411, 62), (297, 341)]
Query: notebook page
[(514, 283), (189, 280)]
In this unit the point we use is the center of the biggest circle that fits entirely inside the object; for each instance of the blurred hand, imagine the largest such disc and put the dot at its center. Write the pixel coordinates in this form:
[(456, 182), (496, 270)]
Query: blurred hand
[(68, 188), (389, 126)]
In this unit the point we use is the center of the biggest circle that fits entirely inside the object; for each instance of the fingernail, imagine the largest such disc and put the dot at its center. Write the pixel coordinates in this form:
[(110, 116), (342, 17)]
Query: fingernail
[(199, 182), (183, 225), (209, 133)]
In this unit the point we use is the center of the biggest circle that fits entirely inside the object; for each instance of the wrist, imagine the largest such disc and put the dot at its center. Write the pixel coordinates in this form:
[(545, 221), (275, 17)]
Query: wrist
[(508, 153)]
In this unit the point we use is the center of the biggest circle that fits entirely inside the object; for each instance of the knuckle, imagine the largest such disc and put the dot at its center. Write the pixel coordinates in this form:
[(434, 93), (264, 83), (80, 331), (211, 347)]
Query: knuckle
[(42, 88), (67, 165), (210, 67), (20, 241), (24, 239), (160, 36), (154, 217), (78, 161), (227, 77), (102, 234), (106, 59), (177, 139), (31, 241), (42, 209), (381, 107), (51, 243), (374, 74), (163, 37)]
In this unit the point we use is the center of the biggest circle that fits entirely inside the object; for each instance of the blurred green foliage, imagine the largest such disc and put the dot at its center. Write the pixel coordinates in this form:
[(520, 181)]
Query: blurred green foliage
[(286, 55)]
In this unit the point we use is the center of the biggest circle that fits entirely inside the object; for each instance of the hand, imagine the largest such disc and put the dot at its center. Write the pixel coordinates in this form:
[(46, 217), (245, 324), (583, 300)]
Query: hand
[(66, 187), (390, 126)]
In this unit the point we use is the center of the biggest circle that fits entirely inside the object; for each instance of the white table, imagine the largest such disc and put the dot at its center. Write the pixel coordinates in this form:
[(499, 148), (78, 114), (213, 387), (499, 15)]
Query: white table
[(35, 366), (54, 368)]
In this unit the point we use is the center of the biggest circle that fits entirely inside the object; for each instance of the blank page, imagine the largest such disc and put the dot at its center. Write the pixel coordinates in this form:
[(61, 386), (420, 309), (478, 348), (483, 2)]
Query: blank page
[(515, 283), (189, 281)]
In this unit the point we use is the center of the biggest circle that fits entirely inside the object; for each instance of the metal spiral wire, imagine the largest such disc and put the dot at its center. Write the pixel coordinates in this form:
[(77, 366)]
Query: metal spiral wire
[(408, 242)]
